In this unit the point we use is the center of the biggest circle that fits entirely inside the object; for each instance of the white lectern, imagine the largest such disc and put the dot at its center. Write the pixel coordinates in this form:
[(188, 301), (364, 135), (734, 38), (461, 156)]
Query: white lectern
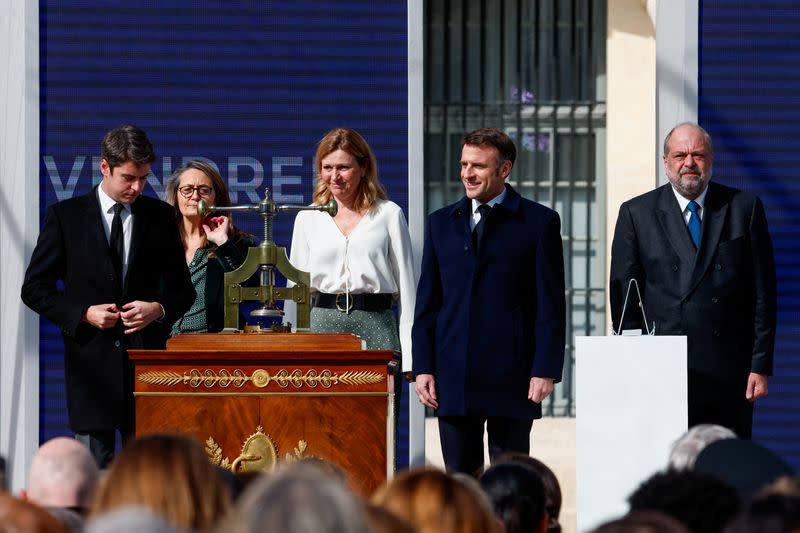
[(631, 406)]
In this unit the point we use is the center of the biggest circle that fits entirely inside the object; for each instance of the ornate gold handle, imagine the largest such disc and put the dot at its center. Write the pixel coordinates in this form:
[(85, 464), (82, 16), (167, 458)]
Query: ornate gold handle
[(243, 457)]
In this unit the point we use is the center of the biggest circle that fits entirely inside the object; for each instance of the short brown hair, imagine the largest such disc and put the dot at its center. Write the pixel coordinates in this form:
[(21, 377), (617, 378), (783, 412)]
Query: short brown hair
[(127, 143), (495, 138)]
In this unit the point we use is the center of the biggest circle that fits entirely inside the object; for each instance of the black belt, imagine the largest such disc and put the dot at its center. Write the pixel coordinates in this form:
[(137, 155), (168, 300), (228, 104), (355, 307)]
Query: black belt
[(354, 302)]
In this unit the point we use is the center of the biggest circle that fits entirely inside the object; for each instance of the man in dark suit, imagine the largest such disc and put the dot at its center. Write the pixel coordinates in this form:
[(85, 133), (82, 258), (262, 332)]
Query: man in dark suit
[(124, 278), (489, 329), (702, 256)]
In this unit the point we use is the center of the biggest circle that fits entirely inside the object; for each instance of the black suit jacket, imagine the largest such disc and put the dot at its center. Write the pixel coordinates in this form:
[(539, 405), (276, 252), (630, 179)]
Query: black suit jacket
[(722, 296), (72, 248)]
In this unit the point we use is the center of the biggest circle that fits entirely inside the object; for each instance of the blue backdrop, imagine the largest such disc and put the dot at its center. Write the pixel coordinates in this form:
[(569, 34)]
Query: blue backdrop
[(250, 86), (749, 101)]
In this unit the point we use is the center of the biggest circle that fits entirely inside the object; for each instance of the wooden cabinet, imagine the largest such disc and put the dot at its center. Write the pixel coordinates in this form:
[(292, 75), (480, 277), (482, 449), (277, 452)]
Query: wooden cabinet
[(256, 400)]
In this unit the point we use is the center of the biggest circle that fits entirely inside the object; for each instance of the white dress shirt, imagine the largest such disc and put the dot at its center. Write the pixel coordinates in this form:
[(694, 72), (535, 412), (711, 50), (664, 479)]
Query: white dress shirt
[(684, 202), (375, 258), (107, 208), (476, 216)]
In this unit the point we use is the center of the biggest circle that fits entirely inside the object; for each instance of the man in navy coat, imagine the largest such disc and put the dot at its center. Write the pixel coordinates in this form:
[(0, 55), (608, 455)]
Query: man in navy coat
[(106, 300), (490, 322), (702, 256)]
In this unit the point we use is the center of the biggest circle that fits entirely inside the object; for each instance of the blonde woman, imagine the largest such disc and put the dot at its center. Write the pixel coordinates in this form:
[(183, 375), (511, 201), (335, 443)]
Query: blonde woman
[(360, 260)]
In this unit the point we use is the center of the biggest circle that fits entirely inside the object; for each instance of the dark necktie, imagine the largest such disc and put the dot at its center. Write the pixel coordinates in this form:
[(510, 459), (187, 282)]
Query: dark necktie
[(117, 242), (477, 232), (694, 223)]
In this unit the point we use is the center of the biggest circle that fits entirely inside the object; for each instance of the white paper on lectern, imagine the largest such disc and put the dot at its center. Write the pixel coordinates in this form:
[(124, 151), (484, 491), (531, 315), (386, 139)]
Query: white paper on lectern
[(630, 396)]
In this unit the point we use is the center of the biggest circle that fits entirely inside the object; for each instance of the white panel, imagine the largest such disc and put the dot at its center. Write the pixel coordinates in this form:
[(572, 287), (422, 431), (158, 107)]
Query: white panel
[(416, 197), (19, 227), (676, 69), (631, 406)]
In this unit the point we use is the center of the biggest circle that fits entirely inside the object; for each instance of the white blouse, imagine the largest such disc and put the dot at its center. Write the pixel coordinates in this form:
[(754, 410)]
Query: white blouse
[(375, 258)]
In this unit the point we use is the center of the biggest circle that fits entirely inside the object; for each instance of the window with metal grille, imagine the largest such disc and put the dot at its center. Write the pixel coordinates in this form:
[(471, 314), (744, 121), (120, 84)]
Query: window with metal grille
[(535, 69)]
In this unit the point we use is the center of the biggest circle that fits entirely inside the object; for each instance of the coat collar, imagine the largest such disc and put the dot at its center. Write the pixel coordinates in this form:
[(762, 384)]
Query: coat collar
[(94, 221), (674, 226), (461, 212), (96, 231), (137, 233), (95, 214)]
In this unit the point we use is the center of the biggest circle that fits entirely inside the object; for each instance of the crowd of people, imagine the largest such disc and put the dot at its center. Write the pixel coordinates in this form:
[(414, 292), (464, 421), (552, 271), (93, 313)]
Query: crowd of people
[(712, 482), (165, 482)]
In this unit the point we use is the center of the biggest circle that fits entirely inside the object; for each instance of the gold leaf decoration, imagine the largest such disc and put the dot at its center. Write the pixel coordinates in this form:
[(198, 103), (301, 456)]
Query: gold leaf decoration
[(160, 377), (299, 452), (260, 378), (214, 453), (360, 378)]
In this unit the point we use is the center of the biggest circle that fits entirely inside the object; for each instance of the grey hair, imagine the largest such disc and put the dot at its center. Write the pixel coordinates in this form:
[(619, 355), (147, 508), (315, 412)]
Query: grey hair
[(300, 498), (130, 519), (686, 449)]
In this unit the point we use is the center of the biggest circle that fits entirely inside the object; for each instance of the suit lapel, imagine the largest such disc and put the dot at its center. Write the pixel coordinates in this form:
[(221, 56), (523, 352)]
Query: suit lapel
[(137, 235), (94, 226), (674, 226), (716, 212), (503, 211), (99, 241), (461, 214)]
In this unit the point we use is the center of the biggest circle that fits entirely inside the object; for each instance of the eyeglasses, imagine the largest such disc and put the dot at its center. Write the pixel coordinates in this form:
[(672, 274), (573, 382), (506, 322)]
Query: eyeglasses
[(203, 190)]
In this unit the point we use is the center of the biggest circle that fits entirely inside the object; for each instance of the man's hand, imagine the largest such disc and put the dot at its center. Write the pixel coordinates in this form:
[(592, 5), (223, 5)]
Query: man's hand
[(425, 385), (756, 386), (137, 315), (101, 316), (216, 229), (539, 389)]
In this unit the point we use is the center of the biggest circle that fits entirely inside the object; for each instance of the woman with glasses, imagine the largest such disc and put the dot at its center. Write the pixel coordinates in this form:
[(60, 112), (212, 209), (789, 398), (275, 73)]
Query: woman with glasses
[(360, 261), (212, 245)]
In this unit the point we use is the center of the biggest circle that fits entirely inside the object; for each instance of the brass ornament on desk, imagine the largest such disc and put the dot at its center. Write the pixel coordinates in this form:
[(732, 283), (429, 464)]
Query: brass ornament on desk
[(261, 378), (259, 453), (266, 259), (214, 453), (299, 452)]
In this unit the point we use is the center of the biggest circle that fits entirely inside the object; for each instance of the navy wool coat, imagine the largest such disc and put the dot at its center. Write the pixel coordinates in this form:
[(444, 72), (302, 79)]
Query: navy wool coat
[(486, 323)]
